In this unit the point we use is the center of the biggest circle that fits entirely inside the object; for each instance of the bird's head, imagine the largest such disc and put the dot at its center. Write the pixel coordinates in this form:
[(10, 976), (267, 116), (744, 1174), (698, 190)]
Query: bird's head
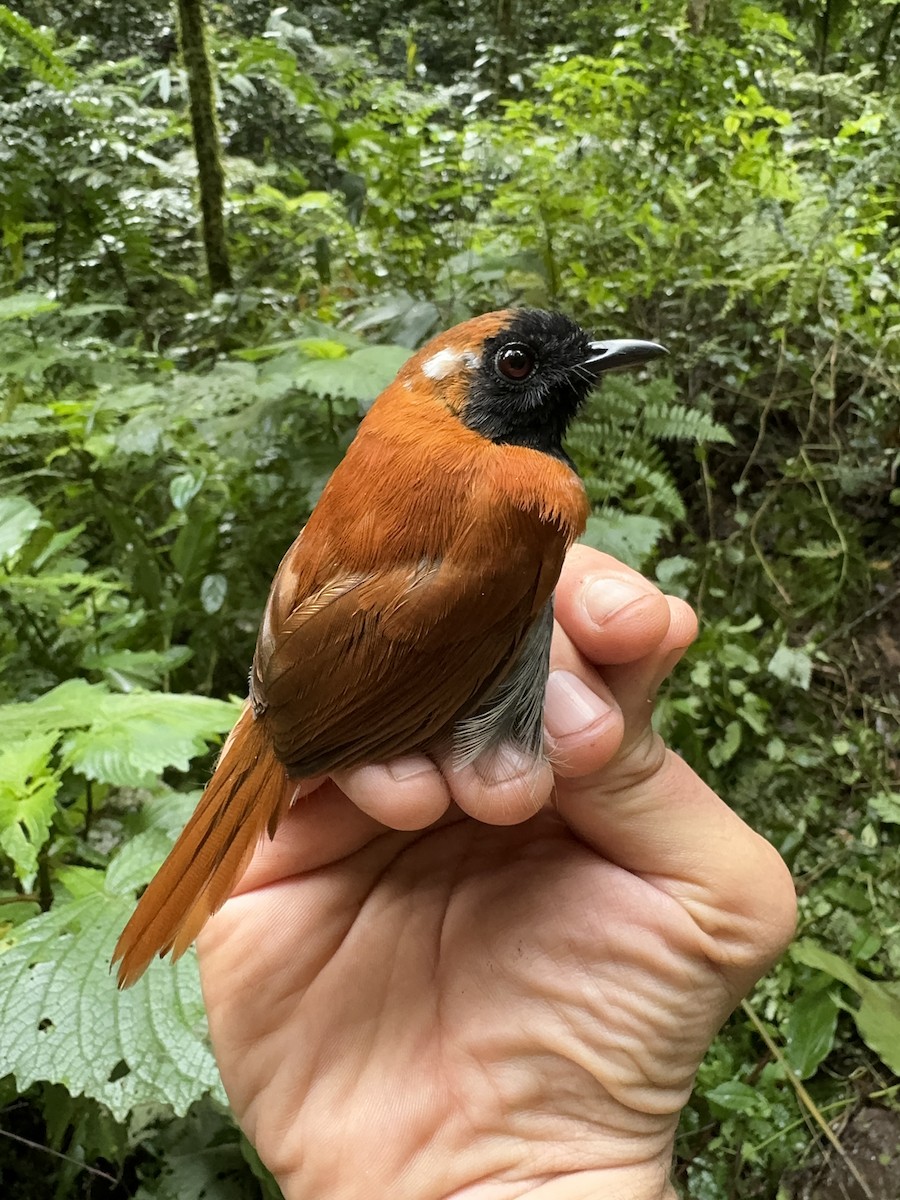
[(518, 376)]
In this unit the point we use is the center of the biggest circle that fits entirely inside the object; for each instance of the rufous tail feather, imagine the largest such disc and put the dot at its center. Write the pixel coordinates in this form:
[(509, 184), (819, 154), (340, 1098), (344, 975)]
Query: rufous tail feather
[(243, 801)]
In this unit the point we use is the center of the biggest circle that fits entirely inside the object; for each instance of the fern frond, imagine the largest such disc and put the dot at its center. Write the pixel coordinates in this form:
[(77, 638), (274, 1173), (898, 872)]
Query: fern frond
[(652, 406), (35, 49), (649, 489), (679, 423)]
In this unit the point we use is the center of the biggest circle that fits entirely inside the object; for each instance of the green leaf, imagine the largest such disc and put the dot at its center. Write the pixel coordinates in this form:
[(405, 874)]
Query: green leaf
[(183, 488), (140, 435), (124, 739), (18, 520), (878, 1015), (811, 1027), (62, 1019), (791, 666), (23, 305), (734, 1096), (36, 48), (627, 536), (28, 787), (213, 591), (192, 548), (133, 738), (870, 122), (878, 1021), (358, 376), (322, 348), (64, 707), (725, 750), (312, 200), (203, 1157), (138, 859), (129, 669), (886, 805)]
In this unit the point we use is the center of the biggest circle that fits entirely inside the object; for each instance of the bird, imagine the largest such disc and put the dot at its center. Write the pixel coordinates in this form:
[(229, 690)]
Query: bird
[(414, 611)]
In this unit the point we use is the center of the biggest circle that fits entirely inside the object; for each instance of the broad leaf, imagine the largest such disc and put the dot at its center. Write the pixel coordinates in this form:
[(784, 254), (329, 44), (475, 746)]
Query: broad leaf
[(22, 305), (62, 1019), (791, 666), (125, 739), (28, 787), (129, 669), (811, 1027), (64, 707), (18, 520), (133, 738), (358, 376), (878, 1015), (735, 1096), (213, 591)]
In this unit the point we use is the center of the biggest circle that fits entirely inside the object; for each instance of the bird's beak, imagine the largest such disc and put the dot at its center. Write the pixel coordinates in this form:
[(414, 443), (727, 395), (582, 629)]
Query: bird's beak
[(621, 352)]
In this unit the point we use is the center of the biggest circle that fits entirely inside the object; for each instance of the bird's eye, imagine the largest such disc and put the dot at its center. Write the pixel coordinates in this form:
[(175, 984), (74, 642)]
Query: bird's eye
[(515, 362)]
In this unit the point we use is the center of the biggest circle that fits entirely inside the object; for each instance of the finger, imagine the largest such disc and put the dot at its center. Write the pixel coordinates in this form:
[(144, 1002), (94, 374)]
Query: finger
[(583, 722), (612, 613), (647, 811), (634, 686), (319, 829), (406, 793), (331, 819), (502, 787)]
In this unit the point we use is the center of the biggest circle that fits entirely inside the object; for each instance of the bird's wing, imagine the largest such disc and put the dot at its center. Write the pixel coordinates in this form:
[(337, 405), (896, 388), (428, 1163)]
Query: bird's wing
[(370, 666)]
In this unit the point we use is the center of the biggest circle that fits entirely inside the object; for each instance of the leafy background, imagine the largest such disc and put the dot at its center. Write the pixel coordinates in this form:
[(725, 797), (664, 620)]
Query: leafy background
[(722, 177)]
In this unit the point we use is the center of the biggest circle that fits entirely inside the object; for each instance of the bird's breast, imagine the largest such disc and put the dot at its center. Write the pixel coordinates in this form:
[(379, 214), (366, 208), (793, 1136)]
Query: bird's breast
[(413, 491)]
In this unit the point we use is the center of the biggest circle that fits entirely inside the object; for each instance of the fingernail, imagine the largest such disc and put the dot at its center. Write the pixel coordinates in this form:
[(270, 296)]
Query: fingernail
[(571, 705), (405, 768), (602, 598), (503, 764)]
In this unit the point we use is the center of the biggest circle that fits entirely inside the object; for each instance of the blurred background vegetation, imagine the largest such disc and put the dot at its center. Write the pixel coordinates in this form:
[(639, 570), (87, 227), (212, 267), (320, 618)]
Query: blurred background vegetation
[(721, 176)]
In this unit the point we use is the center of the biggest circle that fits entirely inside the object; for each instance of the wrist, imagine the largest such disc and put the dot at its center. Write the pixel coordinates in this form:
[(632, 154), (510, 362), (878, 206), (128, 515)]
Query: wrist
[(620, 1183), (638, 1181), (616, 1183)]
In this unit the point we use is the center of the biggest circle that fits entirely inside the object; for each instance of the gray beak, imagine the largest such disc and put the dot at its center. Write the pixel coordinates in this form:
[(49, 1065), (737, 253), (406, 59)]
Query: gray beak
[(621, 352)]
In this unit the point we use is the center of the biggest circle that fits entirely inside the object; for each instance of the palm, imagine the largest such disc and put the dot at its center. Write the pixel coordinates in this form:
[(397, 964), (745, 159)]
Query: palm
[(408, 1014)]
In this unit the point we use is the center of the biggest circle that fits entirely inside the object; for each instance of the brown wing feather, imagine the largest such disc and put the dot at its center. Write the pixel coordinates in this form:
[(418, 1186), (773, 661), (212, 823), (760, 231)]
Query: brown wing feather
[(390, 664)]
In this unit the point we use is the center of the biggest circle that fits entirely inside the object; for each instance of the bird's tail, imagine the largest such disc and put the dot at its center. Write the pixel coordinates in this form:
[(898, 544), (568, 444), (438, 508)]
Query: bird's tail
[(245, 798)]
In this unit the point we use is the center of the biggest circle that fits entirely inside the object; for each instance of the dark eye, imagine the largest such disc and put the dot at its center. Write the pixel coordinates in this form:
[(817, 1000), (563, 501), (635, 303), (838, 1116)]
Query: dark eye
[(515, 362)]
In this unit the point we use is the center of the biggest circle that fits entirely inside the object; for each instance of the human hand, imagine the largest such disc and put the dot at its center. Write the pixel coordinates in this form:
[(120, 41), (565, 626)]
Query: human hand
[(409, 1003)]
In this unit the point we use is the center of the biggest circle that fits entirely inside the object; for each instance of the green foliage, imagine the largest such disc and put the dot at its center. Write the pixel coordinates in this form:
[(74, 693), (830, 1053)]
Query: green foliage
[(123, 1049), (34, 49), (729, 190), (878, 1015)]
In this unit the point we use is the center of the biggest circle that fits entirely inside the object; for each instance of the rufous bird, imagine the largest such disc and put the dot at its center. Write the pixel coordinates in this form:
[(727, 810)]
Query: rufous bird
[(415, 609)]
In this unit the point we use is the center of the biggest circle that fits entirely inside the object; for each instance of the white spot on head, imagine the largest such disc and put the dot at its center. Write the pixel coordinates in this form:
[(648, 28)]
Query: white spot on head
[(447, 362), (442, 364)]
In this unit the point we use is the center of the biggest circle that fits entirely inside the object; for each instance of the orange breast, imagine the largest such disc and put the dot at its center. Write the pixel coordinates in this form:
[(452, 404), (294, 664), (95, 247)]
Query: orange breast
[(415, 474)]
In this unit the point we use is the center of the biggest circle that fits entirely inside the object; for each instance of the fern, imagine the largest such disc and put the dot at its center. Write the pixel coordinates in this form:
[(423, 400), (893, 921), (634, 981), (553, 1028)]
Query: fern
[(35, 50), (642, 479), (677, 422), (616, 449)]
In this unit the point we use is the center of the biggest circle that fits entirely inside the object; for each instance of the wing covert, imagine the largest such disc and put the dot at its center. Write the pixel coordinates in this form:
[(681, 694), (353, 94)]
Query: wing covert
[(367, 668)]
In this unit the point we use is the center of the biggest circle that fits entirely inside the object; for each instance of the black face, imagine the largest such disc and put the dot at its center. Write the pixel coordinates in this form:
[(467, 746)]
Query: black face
[(534, 376)]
